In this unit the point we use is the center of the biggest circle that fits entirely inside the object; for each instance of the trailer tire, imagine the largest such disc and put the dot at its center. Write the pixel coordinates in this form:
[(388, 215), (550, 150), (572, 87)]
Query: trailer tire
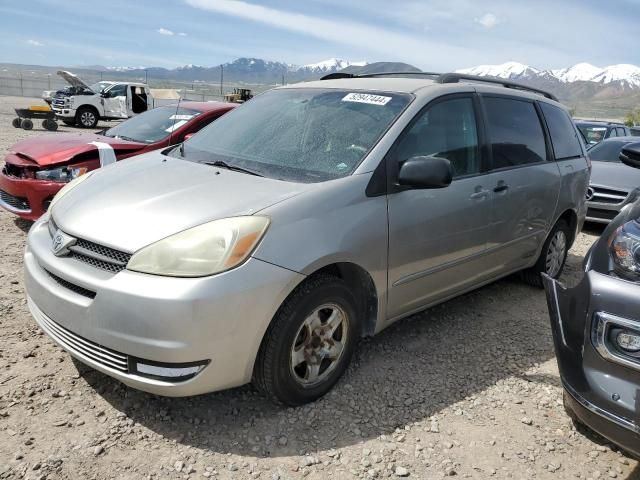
[(16, 122), (87, 117), (26, 124), (49, 124)]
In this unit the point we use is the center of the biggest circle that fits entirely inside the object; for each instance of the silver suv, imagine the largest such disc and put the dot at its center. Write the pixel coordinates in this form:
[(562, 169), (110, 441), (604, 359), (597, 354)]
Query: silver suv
[(264, 247)]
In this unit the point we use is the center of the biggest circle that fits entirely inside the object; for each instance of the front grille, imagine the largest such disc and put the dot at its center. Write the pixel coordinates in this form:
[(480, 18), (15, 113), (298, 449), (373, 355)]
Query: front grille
[(81, 346), (72, 286), (608, 195), (601, 214), (94, 254), (99, 256), (17, 203)]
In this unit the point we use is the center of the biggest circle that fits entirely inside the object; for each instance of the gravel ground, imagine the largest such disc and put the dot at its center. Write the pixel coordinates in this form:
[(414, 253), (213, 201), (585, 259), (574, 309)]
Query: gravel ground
[(467, 389)]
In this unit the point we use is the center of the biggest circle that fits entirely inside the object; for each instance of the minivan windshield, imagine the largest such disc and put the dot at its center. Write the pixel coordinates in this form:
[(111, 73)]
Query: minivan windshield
[(302, 135)]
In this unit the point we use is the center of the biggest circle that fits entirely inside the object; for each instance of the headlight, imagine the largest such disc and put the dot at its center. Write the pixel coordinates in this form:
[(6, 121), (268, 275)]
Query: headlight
[(203, 250), (67, 188), (62, 174), (624, 246)]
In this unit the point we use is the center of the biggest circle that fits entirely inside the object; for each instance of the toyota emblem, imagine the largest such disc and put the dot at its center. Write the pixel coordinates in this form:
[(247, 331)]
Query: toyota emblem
[(61, 243), (590, 193)]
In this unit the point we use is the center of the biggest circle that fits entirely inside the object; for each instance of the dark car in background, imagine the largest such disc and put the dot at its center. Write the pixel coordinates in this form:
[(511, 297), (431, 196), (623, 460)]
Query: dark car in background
[(596, 330), (37, 168), (613, 184), (595, 131)]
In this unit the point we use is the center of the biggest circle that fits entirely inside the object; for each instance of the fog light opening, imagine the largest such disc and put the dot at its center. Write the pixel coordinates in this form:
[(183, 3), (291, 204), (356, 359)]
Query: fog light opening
[(172, 372), (628, 341)]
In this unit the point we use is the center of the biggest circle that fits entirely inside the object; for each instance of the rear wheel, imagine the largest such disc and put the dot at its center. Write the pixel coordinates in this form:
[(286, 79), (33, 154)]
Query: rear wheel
[(553, 256), (87, 117), (26, 124), (309, 343)]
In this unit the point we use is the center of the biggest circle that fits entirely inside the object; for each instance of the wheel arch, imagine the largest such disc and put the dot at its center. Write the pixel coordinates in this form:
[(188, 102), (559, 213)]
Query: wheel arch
[(571, 217)]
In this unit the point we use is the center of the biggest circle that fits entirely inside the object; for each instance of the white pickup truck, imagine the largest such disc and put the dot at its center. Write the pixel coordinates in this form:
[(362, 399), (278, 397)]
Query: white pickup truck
[(84, 105)]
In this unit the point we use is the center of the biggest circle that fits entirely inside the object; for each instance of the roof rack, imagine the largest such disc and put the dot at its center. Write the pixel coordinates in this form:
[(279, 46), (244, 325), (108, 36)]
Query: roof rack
[(456, 77), (448, 78), (337, 75)]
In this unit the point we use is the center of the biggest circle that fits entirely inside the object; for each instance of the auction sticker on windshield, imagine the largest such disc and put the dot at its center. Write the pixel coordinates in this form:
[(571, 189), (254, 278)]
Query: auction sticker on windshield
[(366, 98)]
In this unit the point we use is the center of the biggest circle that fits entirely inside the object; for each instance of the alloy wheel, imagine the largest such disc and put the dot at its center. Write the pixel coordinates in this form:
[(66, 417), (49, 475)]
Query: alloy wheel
[(556, 253), (319, 344), (87, 119)]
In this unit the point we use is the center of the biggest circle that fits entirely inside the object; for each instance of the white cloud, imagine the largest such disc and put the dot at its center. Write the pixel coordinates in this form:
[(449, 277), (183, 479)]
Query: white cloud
[(35, 43), (164, 31), (182, 34), (488, 20)]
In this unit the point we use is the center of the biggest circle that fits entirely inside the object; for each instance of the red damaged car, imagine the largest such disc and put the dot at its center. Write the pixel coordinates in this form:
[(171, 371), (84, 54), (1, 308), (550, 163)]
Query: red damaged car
[(37, 168)]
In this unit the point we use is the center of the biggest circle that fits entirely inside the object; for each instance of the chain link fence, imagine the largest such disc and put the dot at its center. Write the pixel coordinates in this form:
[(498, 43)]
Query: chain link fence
[(33, 85)]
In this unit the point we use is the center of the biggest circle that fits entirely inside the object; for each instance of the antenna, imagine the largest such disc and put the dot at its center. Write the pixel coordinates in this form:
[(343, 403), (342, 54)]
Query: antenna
[(175, 120)]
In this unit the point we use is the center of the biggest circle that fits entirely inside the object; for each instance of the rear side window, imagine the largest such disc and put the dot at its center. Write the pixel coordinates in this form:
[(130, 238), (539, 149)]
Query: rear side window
[(621, 132), (515, 132), (612, 133), (564, 136)]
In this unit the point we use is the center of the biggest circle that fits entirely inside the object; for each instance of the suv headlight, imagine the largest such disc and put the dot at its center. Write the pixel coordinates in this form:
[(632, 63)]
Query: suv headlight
[(68, 187), (203, 250), (61, 174), (624, 247)]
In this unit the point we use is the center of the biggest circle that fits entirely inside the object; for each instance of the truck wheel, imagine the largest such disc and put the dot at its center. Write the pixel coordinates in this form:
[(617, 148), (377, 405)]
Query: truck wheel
[(26, 124), (309, 343), (553, 255), (87, 117), (16, 122)]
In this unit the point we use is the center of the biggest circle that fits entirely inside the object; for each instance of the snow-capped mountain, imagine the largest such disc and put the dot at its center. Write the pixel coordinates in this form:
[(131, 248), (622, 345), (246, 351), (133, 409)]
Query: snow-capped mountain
[(511, 70), (623, 74), (331, 65)]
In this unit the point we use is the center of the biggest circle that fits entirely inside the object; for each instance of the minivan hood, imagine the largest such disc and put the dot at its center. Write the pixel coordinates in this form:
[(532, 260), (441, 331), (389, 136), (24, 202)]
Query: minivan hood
[(73, 79), (139, 201), (614, 175)]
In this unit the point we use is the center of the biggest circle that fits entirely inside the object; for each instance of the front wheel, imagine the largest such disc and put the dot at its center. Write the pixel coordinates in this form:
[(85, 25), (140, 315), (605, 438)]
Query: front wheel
[(553, 256), (309, 343), (87, 117)]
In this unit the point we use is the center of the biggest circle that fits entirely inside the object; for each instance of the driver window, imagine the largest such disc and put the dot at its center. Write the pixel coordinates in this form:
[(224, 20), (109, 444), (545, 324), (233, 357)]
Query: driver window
[(448, 130), (118, 91)]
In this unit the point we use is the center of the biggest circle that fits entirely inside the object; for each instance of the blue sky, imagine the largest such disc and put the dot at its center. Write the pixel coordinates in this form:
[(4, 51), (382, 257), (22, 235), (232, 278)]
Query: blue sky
[(431, 34)]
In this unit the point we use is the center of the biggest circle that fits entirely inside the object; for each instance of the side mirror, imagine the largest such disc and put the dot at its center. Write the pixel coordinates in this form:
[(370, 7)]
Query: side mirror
[(426, 172), (188, 136), (630, 155)]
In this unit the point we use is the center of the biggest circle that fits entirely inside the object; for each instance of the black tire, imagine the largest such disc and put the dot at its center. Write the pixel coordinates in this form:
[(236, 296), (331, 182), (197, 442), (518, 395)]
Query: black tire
[(87, 117), (26, 124), (49, 124), (274, 373), (533, 275), (71, 123), (16, 122)]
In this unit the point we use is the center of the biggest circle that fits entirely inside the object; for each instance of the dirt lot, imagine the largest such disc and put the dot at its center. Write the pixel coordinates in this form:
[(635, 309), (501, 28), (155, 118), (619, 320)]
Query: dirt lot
[(467, 389)]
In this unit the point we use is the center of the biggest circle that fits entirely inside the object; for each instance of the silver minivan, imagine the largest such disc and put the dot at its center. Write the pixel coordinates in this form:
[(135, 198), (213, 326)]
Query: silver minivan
[(264, 247)]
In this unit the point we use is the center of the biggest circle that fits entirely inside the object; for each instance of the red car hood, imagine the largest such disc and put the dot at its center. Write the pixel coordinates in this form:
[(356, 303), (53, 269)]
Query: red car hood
[(61, 148)]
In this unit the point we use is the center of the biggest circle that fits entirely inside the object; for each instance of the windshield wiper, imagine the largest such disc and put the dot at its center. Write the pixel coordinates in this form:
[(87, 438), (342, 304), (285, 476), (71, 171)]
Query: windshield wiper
[(127, 138), (235, 168)]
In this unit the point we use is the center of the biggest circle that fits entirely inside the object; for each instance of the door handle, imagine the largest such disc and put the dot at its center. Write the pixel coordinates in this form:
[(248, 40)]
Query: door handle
[(479, 193), (501, 187)]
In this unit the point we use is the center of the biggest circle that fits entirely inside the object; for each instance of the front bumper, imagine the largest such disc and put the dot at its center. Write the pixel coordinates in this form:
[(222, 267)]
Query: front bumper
[(603, 394), (66, 113), (98, 316), (27, 198)]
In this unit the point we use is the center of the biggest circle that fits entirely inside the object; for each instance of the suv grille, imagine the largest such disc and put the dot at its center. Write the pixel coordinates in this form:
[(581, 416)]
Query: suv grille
[(608, 195), (81, 346), (94, 254), (17, 203)]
